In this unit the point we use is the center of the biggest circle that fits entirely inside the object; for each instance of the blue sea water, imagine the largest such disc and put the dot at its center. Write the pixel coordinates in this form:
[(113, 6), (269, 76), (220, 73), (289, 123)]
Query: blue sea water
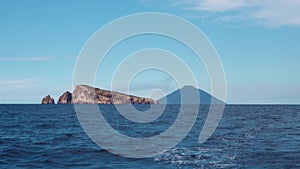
[(248, 136)]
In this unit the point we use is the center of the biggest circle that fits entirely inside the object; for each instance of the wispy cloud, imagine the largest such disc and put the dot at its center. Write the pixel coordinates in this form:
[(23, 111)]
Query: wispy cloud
[(18, 83), (21, 91), (25, 58), (267, 12), (214, 5)]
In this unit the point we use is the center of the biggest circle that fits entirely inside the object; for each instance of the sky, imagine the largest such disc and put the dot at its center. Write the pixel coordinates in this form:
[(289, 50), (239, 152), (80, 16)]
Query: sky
[(257, 42)]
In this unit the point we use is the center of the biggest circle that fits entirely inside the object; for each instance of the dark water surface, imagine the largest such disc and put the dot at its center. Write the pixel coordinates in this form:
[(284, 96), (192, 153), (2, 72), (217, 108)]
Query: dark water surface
[(248, 136)]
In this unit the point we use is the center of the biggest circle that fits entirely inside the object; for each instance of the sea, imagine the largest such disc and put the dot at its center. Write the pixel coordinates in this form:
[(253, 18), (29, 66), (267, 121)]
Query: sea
[(248, 136)]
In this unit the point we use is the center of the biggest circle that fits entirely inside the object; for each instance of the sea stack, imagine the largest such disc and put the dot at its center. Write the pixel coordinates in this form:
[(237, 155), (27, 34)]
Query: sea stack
[(66, 98), (48, 100)]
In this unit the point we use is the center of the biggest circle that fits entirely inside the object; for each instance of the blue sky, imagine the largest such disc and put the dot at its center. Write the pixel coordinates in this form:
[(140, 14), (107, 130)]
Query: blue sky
[(258, 44)]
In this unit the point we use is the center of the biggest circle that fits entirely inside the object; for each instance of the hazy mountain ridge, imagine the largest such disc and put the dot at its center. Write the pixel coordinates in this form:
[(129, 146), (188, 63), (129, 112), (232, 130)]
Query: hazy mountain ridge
[(175, 97)]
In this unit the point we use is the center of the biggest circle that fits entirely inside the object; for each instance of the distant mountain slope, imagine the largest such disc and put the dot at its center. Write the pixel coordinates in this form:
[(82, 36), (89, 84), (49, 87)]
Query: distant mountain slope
[(175, 97)]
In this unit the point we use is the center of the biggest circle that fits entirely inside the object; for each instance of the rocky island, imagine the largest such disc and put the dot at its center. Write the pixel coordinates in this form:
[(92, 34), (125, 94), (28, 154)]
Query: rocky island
[(66, 98), (84, 94), (48, 100)]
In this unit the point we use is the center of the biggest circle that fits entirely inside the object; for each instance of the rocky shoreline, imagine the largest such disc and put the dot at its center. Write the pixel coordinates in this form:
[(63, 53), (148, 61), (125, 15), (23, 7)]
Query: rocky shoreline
[(84, 94)]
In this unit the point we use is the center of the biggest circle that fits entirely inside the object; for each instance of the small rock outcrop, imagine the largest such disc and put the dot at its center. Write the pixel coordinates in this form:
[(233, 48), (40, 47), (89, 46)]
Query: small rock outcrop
[(48, 100), (66, 98), (83, 94)]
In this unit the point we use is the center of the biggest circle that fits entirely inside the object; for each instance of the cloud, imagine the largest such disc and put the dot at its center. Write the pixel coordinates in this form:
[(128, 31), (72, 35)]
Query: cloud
[(215, 5), (264, 94), (24, 83), (20, 91), (259, 12), (146, 88), (24, 58)]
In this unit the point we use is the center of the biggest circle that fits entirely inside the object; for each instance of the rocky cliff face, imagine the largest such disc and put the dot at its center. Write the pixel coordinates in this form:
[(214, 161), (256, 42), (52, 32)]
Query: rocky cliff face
[(66, 98), (48, 100), (83, 94)]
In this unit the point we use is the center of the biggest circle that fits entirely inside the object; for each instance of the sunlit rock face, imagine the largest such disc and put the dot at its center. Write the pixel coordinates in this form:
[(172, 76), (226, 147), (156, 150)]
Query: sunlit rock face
[(83, 94)]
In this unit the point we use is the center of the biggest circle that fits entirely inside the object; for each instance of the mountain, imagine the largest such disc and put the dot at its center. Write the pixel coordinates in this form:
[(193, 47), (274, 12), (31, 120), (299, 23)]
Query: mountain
[(191, 92)]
